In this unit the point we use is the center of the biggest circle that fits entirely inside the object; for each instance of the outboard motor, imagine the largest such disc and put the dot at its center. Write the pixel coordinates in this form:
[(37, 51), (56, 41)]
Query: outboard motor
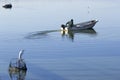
[(64, 28)]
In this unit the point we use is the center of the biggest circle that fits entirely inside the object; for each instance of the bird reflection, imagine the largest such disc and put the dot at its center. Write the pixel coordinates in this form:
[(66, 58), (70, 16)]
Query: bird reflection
[(17, 74), (17, 68), (71, 34)]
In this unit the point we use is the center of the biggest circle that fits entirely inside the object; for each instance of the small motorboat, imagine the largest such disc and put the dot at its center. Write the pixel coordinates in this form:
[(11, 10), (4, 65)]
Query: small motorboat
[(80, 26)]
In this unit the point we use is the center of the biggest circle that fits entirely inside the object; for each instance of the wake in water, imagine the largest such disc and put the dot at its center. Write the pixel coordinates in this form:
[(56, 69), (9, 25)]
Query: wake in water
[(68, 34), (40, 34)]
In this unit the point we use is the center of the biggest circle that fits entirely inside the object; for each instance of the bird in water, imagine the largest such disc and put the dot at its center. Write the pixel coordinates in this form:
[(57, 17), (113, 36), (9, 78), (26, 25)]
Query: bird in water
[(18, 63), (7, 6), (20, 54)]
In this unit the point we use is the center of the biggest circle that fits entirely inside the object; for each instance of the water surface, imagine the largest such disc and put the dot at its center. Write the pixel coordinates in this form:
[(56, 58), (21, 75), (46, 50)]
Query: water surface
[(50, 54)]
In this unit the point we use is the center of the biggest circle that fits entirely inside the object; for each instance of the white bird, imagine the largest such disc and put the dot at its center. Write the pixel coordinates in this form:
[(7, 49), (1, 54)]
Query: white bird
[(20, 54)]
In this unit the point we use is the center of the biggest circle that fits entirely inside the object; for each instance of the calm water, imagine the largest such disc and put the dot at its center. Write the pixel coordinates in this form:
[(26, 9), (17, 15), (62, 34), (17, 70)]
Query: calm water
[(50, 55)]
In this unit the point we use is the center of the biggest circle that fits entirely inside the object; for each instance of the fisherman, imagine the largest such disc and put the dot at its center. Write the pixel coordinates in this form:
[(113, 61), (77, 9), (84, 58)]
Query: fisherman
[(70, 23)]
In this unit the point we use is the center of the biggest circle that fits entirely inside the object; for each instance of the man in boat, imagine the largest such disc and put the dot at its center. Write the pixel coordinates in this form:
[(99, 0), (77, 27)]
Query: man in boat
[(70, 23)]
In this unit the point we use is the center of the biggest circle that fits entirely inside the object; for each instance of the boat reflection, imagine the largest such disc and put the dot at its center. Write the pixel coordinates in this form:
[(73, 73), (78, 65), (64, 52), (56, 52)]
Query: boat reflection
[(71, 34)]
